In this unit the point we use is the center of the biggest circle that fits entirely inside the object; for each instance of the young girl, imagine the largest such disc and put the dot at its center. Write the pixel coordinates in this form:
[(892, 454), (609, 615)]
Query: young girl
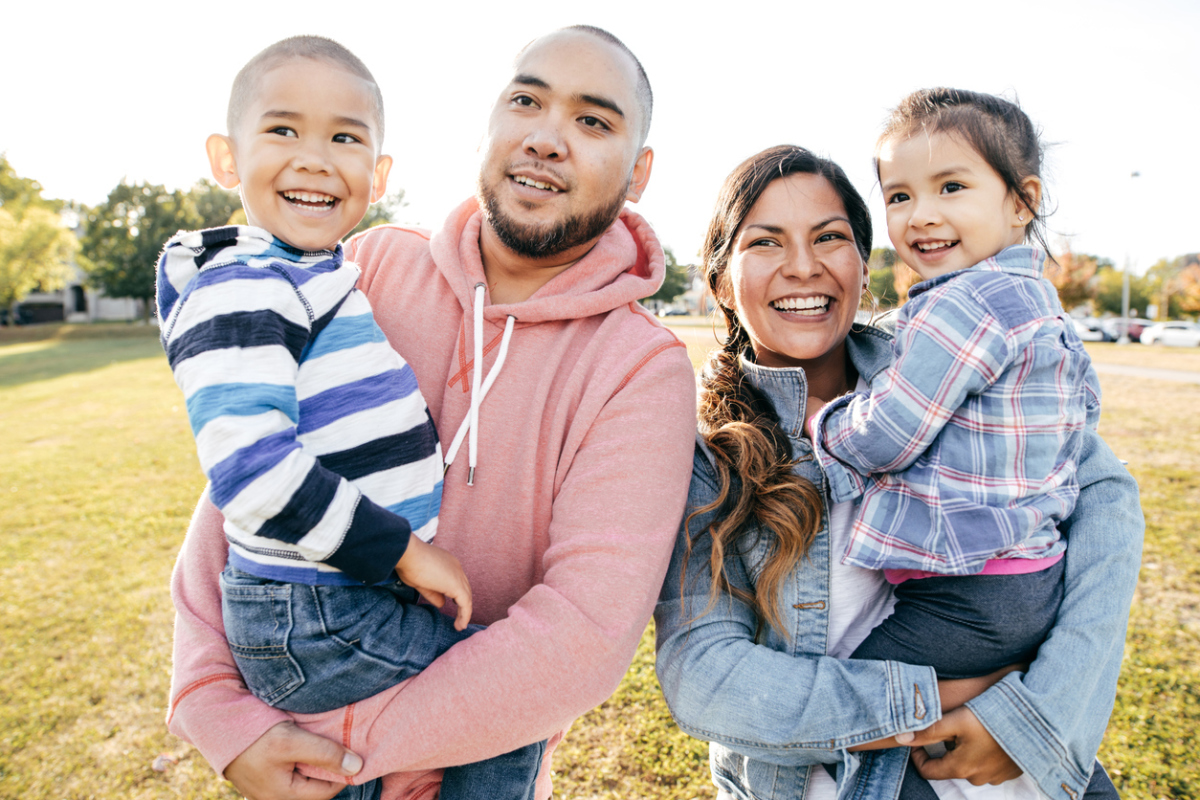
[(964, 452)]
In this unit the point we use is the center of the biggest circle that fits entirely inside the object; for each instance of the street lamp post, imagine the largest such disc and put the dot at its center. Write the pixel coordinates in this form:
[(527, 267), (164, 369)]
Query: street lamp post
[(1124, 337)]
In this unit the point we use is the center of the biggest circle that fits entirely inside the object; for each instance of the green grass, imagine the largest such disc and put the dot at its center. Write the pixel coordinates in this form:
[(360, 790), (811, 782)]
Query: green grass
[(99, 478)]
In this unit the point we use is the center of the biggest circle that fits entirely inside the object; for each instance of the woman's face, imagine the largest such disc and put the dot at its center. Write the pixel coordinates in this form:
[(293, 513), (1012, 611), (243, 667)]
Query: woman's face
[(795, 277)]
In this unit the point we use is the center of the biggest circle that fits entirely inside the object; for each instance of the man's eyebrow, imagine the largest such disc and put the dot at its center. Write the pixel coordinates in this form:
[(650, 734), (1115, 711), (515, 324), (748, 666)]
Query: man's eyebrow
[(603, 102), (530, 80)]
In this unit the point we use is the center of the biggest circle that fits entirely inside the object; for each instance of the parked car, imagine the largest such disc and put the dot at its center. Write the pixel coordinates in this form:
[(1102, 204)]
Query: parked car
[(1133, 327), (1178, 334), (1089, 330)]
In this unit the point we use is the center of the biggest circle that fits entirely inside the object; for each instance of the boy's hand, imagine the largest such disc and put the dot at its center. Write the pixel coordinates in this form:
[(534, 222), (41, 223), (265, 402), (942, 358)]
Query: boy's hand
[(436, 575), (975, 755)]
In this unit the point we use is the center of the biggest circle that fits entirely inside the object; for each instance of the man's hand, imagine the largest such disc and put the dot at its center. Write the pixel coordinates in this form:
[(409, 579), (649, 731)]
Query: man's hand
[(975, 755), (436, 575), (266, 770)]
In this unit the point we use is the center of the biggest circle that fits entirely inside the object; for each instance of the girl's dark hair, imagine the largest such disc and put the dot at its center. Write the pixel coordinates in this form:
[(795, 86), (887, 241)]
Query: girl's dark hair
[(753, 456), (998, 130)]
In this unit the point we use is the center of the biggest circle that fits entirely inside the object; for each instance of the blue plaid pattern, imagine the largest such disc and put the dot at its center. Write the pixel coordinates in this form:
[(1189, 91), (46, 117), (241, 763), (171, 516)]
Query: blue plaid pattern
[(965, 449)]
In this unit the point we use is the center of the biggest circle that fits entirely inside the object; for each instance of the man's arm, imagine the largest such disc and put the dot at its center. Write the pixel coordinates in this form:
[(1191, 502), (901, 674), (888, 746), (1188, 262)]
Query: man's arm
[(561, 651)]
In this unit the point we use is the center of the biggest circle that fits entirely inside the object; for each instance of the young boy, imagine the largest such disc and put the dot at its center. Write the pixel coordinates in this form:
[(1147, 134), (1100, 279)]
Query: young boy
[(317, 444)]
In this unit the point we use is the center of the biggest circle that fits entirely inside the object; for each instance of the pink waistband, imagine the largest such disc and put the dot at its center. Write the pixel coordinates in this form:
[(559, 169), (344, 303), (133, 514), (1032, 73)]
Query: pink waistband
[(995, 566)]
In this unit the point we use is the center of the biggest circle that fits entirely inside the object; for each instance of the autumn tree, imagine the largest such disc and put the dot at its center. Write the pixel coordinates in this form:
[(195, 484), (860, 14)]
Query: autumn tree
[(35, 248), (882, 267), (1074, 276)]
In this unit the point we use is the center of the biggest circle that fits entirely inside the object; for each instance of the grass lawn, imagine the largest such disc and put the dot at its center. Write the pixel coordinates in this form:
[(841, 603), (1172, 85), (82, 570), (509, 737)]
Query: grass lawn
[(99, 480)]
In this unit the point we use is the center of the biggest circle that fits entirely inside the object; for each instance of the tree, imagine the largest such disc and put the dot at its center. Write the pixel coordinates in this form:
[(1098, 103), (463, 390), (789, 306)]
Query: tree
[(1187, 285), (216, 206), (35, 248), (125, 234), (1109, 287), (381, 213), (675, 282), (882, 266), (1074, 277), (35, 253)]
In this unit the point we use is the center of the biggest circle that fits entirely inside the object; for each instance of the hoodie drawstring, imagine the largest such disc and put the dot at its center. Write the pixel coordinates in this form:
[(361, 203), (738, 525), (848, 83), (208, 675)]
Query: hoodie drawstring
[(478, 391)]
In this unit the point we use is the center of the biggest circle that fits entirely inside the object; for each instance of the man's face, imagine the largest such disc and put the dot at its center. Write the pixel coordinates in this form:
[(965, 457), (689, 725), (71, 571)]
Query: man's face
[(305, 154), (563, 151)]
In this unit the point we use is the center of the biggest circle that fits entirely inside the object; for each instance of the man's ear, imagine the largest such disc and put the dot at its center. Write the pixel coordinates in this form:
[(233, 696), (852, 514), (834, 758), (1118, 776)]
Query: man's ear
[(1023, 214), (640, 176), (221, 160), (383, 166)]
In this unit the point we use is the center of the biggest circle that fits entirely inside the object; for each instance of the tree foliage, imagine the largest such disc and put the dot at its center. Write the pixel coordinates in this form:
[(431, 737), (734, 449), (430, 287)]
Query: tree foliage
[(381, 213), (882, 266), (35, 248), (1074, 277), (676, 280)]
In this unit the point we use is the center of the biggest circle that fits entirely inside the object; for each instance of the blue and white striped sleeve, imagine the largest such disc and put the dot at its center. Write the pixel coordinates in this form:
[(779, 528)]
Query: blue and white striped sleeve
[(234, 345)]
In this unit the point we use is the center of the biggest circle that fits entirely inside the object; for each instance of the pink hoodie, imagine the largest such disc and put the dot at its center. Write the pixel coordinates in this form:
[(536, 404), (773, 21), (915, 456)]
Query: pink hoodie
[(584, 457)]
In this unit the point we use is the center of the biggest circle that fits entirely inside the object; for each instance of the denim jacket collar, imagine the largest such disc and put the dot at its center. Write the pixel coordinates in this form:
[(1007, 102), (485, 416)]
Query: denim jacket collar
[(870, 351)]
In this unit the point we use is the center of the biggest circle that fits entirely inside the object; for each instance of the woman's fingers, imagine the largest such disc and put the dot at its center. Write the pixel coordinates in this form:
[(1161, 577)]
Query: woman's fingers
[(266, 770), (971, 754)]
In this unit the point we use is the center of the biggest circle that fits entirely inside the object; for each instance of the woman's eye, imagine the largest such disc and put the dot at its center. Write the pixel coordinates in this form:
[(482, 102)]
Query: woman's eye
[(832, 236), (898, 197), (764, 243)]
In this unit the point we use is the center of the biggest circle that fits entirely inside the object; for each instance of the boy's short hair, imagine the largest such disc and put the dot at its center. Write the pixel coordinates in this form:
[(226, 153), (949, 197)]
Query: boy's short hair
[(317, 48)]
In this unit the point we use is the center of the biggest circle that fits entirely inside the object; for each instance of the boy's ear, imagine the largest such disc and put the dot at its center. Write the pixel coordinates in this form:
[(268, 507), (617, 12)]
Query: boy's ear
[(1022, 213), (383, 166), (221, 161)]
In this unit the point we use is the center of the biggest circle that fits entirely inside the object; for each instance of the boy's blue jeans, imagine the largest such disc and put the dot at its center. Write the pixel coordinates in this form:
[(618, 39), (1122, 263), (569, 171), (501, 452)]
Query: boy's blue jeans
[(309, 649), (967, 626)]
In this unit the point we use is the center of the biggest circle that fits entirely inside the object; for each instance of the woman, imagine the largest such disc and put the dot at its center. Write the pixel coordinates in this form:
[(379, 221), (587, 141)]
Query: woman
[(757, 611)]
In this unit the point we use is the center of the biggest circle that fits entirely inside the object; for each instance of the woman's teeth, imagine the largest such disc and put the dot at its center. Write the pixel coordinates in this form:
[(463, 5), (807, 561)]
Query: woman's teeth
[(804, 306)]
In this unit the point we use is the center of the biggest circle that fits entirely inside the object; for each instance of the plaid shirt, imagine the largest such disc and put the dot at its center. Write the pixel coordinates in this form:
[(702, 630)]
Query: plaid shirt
[(969, 440)]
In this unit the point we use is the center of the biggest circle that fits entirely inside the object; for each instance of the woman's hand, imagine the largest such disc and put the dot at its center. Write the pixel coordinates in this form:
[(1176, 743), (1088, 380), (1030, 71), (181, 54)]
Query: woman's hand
[(975, 756), (266, 770)]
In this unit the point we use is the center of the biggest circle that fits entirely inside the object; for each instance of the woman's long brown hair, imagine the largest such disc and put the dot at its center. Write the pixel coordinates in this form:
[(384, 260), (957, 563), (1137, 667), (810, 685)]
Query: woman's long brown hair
[(758, 490)]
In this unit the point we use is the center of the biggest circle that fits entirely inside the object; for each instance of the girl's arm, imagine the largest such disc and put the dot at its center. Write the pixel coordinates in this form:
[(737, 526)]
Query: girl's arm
[(1052, 719)]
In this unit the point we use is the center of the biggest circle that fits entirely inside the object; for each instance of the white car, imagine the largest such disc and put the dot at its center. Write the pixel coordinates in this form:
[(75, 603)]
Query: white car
[(1178, 334)]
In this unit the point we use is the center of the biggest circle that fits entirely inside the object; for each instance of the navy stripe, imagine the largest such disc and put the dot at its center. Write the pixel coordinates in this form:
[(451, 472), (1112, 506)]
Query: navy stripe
[(240, 329), (331, 405), (374, 543), (214, 240), (385, 453), (304, 509)]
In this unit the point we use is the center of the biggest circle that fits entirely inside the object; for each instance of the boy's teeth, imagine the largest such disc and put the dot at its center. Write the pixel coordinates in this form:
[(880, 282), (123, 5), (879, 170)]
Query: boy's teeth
[(310, 197), (803, 305), (535, 184)]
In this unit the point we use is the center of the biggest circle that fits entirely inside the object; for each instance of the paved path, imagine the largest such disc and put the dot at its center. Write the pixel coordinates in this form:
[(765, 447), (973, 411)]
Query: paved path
[(1177, 375)]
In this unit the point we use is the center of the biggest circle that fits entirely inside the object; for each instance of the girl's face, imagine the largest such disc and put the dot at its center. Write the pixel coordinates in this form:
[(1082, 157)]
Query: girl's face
[(947, 209), (795, 277)]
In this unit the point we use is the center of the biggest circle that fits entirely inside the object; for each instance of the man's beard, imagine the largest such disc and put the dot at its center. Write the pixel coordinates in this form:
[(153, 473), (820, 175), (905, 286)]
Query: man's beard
[(545, 241)]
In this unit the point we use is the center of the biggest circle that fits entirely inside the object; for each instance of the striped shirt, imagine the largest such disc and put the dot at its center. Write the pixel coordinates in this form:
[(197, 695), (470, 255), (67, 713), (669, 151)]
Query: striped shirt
[(317, 444), (970, 439)]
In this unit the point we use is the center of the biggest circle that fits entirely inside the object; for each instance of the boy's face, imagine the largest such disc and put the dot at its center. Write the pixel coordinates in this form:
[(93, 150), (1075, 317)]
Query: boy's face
[(306, 154)]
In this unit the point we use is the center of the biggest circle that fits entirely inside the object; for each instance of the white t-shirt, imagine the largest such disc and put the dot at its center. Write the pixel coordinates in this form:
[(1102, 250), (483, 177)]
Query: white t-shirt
[(859, 599)]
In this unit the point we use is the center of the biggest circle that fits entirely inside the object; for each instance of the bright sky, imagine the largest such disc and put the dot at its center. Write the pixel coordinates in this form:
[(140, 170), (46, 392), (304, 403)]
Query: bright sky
[(97, 92)]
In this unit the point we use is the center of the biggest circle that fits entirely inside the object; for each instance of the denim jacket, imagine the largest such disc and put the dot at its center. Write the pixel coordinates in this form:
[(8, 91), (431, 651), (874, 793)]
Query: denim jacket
[(772, 706)]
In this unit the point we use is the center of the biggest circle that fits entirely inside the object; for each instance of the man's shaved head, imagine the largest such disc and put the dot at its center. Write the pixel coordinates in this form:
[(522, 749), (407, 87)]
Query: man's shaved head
[(645, 96), (316, 48)]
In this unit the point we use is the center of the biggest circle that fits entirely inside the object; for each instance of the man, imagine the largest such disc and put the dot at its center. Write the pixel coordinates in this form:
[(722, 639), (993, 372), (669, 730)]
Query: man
[(574, 414)]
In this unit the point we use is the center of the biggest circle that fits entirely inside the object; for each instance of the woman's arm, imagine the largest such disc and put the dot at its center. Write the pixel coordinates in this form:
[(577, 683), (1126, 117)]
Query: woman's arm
[(1052, 719), (722, 686)]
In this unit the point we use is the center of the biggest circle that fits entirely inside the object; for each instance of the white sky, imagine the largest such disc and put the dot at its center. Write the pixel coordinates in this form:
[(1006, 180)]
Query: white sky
[(94, 92)]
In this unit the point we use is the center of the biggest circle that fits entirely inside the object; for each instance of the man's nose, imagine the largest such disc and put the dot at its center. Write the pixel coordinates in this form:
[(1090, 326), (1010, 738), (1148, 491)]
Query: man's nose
[(545, 141)]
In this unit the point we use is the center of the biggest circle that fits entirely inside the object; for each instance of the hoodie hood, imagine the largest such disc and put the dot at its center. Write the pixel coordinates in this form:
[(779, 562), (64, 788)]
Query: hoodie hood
[(625, 265)]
